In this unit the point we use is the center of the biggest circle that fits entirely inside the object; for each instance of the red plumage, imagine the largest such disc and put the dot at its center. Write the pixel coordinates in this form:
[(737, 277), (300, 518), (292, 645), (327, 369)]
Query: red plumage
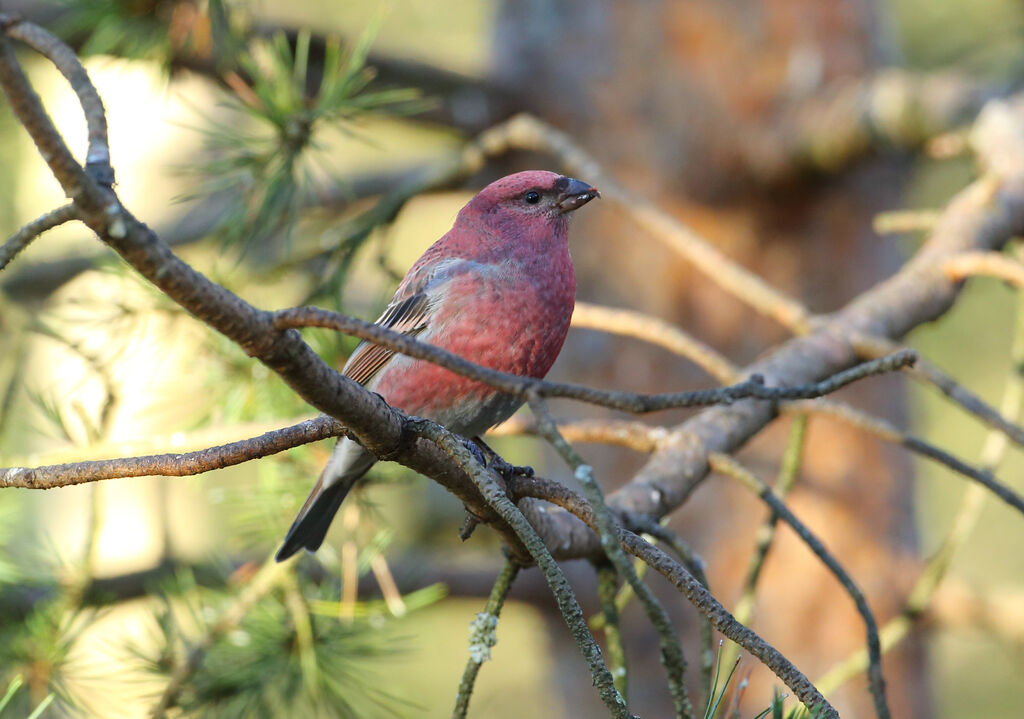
[(498, 289)]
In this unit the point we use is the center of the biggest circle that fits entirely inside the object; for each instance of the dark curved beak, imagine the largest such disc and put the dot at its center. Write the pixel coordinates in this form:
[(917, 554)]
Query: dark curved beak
[(573, 194)]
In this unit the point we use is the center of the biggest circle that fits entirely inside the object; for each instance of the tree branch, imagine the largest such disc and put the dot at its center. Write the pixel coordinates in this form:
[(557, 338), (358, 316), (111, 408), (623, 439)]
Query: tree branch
[(173, 465), (23, 237), (555, 493), (97, 157), (624, 401), (631, 323), (724, 464), (672, 656)]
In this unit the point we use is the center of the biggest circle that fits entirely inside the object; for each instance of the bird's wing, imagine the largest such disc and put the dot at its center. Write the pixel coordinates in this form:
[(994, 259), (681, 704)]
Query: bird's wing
[(408, 316), (409, 313)]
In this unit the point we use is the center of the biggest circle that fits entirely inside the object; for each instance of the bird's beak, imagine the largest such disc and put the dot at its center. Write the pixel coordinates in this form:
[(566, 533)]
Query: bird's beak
[(574, 195)]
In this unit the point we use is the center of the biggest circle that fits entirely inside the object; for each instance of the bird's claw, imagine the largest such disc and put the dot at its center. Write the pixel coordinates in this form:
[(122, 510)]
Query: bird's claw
[(477, 451), (506, 470), (491, 460)]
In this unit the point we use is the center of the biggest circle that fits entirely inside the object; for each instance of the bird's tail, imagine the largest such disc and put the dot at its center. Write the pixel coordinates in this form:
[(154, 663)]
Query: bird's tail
[(348, 463)]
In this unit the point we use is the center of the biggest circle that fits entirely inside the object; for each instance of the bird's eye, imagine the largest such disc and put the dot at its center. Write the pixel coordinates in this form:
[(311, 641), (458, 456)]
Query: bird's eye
[(532, 197)]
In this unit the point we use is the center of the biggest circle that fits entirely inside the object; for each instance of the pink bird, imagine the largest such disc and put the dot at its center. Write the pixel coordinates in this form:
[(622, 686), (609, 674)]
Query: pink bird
[(498, 289)]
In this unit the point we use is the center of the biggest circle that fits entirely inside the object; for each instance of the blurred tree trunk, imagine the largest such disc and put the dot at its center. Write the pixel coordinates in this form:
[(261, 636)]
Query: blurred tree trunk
[(668, 95)]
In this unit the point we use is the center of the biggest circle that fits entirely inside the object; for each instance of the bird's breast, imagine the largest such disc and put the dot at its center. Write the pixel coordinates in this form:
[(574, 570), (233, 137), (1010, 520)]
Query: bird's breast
[(513, 319)]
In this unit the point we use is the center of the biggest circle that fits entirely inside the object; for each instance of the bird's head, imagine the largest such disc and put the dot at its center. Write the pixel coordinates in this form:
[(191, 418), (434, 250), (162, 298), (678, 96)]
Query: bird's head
[(533, 194)]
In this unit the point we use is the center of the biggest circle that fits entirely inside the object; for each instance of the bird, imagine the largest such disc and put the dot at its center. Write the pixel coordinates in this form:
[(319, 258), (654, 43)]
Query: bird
[(497, 289)]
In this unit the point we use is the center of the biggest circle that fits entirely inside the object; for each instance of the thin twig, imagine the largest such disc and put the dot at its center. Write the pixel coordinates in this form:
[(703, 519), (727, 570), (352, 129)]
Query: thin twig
[(483, 637), (625, 401), (728, 466), (694, 565), (686, 583), (173, 465), (648, 328), (97, 158), (494, 495), (630, 434), (607, 588), (985, 264), (888, 432), (791, 461), (672, 656), (963, 523), (898, 222), (790, 467), (28, 108), (23, 237), (925, 371)]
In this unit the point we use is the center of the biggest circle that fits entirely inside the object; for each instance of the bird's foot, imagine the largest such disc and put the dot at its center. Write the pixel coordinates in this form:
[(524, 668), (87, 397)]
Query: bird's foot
[(494, 461), (507, 471), (478, 452)]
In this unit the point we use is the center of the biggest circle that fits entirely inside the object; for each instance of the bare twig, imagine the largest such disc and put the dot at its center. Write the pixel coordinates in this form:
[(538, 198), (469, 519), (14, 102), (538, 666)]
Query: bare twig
[(886, 431), (898, 222), (672, 656), (21, 239), (986, 264), (728, 466), (694, 564), (607, 588), (625, 401), (97, 158), (173, 465), (631, 323), (791, 461), (630, 434), (482, 636), (686, 583), (925, 371), (494, 494)]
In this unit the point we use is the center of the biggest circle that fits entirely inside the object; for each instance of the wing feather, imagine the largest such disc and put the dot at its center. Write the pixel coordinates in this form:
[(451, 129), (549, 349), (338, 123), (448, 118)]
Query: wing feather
[(409, 312), (408, 316)]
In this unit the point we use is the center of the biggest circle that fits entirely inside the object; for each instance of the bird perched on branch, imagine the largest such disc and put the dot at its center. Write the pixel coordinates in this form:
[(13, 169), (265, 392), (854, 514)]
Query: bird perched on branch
[(498, 289)]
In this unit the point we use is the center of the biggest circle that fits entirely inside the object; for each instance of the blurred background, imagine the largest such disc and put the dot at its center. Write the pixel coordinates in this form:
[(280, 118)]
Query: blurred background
[(250, 136)]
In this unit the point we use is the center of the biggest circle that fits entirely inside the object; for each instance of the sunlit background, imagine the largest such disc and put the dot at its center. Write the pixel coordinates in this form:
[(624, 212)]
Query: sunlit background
[(98, 364)]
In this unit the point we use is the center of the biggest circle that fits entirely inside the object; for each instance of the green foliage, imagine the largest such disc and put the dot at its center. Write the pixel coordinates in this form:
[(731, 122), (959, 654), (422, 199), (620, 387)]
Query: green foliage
[(720, 689), (148, 29), (128, 28), (12, 689), (263, 159), (41, 649), (280, 659)]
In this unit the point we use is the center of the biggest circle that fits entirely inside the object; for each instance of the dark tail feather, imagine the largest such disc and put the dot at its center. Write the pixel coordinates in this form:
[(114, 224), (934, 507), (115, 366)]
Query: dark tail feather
[(310, 527)]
